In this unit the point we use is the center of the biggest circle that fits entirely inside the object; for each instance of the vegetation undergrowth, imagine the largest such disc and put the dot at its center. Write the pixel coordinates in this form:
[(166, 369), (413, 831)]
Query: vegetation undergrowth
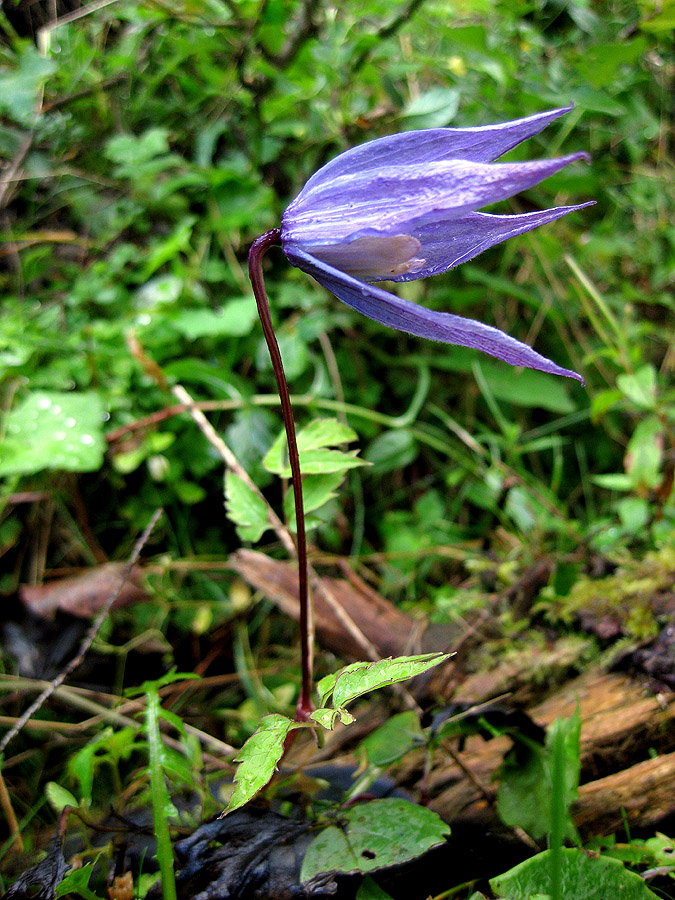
[(144, 146)]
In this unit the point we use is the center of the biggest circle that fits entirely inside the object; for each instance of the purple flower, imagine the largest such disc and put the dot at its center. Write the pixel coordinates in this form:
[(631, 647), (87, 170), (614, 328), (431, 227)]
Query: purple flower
[(404, 207)]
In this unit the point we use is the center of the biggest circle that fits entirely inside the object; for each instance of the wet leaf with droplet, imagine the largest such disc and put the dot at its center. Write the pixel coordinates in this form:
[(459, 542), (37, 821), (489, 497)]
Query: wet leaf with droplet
[(53, 430)]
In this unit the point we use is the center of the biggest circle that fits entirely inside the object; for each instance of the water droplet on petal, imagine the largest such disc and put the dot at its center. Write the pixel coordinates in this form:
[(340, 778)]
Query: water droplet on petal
[(59, 435), (44, 402), (56, 409), (86, 439), (70, 422)]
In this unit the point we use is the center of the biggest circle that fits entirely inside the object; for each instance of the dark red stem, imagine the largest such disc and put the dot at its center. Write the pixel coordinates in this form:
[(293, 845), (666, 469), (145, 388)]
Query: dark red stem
[(256, 253)]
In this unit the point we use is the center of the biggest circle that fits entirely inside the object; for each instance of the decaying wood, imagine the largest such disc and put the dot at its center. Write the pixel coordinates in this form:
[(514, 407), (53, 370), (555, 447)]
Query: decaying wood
[(622, 723)]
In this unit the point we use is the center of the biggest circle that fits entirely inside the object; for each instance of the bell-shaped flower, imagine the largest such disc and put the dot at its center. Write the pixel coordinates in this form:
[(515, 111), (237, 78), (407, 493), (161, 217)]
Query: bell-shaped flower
[(403, 207)]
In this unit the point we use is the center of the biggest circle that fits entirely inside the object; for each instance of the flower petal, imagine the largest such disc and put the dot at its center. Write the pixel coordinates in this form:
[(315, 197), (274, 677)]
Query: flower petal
[(390, 200), (405, 316), (483, 144), (444, 245)]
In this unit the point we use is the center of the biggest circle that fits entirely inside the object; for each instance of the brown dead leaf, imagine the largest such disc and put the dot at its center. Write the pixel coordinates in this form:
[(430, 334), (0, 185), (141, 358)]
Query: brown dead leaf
[(84, 595)]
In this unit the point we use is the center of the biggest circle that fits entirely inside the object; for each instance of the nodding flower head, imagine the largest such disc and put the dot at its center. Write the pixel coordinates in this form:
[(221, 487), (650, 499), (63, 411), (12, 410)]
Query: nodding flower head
[(404, 207)]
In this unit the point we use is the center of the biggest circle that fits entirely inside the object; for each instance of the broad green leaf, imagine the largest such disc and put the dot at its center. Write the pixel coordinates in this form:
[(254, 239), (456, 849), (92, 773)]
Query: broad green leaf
[(644, 454), (634, 513), (392, 450), (434, 108), (258, 758), (528, 387), (604, 401), (388, 743), (245, 508), (355, 681), (599, 64), (658, 18), (525, 790), (234, 319), (53, 430), (584, 877), (374, 836), (661, 848), (640, 387), (20, 89), (326, 685)]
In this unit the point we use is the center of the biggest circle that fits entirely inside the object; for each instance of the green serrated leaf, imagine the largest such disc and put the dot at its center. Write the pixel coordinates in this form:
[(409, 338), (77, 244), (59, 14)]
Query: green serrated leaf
[(374, 836), (315, 459), (584, 877), (325, 433), (328, 717), (327, 683), (53, 430), (355, 683), (258, 758), (246, 508)]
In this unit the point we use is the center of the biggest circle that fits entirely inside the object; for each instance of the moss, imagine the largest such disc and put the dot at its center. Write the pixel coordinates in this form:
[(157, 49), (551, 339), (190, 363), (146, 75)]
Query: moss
[(636, 596)]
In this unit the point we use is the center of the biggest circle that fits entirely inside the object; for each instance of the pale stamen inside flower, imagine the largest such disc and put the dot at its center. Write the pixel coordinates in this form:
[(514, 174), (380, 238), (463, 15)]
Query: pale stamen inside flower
[(372, 257)]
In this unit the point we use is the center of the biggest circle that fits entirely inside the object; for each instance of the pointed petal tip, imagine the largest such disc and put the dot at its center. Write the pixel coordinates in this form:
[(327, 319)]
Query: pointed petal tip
[(569, 373)]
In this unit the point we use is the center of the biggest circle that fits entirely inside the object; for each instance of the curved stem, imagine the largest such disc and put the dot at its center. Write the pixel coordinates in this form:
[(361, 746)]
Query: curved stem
[(256, 253)]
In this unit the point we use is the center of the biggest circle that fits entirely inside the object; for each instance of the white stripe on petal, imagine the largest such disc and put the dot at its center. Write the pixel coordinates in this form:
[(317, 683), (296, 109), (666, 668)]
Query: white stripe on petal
[(372, 258)]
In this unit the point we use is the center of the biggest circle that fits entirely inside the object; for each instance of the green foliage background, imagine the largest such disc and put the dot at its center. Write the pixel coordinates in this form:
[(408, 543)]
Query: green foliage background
[(147, 143)]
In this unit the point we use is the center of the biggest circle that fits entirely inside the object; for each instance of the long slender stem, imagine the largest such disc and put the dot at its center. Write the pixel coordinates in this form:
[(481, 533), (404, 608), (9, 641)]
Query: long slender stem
[(256, 253)]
